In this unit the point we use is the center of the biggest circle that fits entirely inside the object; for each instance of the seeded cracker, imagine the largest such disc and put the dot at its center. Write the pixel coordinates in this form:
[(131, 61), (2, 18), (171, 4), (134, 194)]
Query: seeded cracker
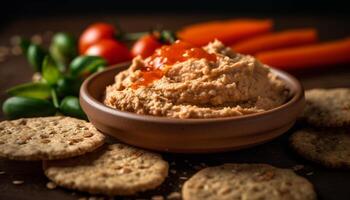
[(47, 138), (115, 169), (247, 181), (330, 148), (328, 107)]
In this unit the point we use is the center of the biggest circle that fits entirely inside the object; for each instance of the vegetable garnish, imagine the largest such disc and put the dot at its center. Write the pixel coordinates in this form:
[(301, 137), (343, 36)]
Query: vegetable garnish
[(227, 31), (18, 107), (146, 45), (167, 55), (55, 87), (323, 54), (111, 50), (271, 41), (35, 55), (63, 49), (70, 107), (95, 33)]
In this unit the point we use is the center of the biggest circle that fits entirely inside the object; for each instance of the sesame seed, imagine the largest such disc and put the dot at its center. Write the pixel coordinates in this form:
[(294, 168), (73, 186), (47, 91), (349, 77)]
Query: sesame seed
[(17, 182), (51, 185)]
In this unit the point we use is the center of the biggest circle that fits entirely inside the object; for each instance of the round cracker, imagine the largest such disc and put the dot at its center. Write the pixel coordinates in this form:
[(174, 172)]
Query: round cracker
[(327, 107), (330, 148), (115, 169), (247, 181), (47, 138)]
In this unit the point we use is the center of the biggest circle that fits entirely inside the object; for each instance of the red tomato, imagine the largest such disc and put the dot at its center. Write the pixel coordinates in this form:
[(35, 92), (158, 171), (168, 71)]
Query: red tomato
[(145, 46), (113, 51), (95, 33)]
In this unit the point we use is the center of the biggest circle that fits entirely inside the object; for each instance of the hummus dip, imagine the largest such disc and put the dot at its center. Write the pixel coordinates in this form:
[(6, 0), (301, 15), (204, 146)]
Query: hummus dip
[(183, 81)]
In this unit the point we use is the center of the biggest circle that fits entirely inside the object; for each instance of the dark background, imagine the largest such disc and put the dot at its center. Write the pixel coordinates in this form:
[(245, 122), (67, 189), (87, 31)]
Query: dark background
[(15, 8), (337, 10), (27, 18)]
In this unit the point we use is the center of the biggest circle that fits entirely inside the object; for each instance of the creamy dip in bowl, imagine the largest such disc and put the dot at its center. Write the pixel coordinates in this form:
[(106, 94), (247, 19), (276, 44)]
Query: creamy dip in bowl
[(197, 100)]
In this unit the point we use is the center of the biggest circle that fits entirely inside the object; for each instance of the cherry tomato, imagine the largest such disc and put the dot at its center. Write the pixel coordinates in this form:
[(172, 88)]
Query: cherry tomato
[(145, 46), (95, 33), (111, 50)]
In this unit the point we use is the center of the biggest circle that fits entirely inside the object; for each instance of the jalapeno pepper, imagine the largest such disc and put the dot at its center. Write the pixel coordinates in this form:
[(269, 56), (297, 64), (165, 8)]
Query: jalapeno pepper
[(67, 86), (63, 49), (19, 107), (84, 65), (70, 106), (35, 56)]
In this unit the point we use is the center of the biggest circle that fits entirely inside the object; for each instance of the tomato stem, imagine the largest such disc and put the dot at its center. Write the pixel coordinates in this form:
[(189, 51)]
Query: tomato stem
[(133, 36)]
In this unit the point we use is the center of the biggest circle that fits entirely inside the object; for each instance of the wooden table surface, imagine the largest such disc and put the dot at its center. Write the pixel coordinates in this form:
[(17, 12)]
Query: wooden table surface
[(329, 184)]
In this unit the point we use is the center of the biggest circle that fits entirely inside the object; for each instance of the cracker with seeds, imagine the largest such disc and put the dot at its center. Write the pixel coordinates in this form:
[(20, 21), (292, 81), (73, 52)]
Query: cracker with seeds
[(329, 147), (247, 181), (47, 138), (327, 107), (114, 169)]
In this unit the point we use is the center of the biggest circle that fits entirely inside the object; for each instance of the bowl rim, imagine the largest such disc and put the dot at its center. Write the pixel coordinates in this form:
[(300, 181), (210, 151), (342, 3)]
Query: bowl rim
[(87, 97)]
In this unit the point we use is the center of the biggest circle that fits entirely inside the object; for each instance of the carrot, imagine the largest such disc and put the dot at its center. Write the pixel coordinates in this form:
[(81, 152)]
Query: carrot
[(328, 53), (278, 40), (228, 31)]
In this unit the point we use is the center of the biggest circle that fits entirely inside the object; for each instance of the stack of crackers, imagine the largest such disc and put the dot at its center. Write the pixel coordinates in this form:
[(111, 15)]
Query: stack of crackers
[(326, 137), (76, 156)]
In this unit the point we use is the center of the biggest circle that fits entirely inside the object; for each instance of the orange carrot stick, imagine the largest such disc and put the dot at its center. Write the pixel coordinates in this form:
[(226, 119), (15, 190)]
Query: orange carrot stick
[(228, 31), (328, 53), (278, 40)]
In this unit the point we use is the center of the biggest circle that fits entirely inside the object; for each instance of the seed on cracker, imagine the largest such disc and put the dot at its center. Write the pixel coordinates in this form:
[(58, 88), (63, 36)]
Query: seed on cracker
[(174, 196), (310, 173), (17, 182), (157, 197), (297, 167), (51, 185)]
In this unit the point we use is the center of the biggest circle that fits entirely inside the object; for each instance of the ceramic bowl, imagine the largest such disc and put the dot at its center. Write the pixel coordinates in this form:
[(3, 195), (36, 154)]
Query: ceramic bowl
[(188, 135)]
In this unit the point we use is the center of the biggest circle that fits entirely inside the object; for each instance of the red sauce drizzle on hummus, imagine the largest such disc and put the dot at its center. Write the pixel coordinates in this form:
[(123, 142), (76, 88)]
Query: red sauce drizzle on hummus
[(155, 65)]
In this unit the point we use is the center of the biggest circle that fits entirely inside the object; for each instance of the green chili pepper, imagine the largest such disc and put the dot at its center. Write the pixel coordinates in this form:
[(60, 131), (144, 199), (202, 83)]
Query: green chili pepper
[(18, 107), (35, 56), (63, 49), (35, 90), (67, 86), (50, 71), (84, 65), (70, 106)]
